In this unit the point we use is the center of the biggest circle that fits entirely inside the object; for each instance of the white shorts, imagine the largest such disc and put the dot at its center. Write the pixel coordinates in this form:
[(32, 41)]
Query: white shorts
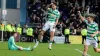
[(49, 25), (91, 42)]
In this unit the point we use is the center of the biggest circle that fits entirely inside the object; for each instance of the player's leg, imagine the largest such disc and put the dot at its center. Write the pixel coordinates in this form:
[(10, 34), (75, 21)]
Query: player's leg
[(45, 27), (95, 46), (40, 35), (52, 31), (26, 49), (39, 38), (51, 39), (97, 50), (85, 50), (20, 48), (86, 47), (14, 48)]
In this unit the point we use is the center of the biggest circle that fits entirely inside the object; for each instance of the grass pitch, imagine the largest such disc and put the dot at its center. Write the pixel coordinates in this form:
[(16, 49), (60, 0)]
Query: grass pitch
[(42, 50)]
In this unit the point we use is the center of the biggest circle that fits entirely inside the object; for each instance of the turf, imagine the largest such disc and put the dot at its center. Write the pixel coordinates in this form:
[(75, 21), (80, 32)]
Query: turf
[(42, 50)]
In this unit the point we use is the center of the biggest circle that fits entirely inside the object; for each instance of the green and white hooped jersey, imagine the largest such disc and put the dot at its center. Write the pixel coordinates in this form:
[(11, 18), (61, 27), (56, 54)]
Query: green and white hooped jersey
[(55, 14), (91, 29)]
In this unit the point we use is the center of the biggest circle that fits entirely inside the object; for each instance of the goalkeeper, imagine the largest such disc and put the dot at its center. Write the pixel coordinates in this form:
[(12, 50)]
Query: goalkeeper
[(13, 46)]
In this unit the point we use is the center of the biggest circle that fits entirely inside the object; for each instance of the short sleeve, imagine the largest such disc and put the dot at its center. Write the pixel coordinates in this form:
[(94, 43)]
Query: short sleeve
[(96, 27)]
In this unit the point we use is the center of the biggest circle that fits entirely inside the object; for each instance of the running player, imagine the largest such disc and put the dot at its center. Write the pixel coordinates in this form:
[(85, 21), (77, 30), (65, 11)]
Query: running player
[(92, 32), (53, 16), (13, 46)]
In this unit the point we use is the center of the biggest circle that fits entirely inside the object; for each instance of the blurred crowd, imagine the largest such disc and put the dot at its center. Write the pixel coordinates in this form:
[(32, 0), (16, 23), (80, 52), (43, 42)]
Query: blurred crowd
[(68, 9)]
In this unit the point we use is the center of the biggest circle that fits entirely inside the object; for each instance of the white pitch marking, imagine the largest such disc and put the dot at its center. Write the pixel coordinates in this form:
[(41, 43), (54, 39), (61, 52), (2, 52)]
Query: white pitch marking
[(81, 52)]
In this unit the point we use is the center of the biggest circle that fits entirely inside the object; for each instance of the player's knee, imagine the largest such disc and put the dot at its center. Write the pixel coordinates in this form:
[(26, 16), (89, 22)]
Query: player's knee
[(52, 34), (85, 49), (41, 33)]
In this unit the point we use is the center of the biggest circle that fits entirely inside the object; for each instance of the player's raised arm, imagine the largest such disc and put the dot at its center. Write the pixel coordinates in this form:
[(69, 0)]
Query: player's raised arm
[(48, 6), (80, 16)]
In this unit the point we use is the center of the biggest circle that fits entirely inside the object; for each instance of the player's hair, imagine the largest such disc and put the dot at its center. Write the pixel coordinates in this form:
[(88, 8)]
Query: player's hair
[(92, 16), (54, 3), (13, 33)]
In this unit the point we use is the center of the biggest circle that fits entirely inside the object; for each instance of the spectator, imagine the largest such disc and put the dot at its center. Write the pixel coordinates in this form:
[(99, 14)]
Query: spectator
[(67, 33), (83, 33)]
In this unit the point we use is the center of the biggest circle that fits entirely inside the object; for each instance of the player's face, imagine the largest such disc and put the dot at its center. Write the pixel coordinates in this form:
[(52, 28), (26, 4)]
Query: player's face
[(89, 19), (15, 34), (53, 6)]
